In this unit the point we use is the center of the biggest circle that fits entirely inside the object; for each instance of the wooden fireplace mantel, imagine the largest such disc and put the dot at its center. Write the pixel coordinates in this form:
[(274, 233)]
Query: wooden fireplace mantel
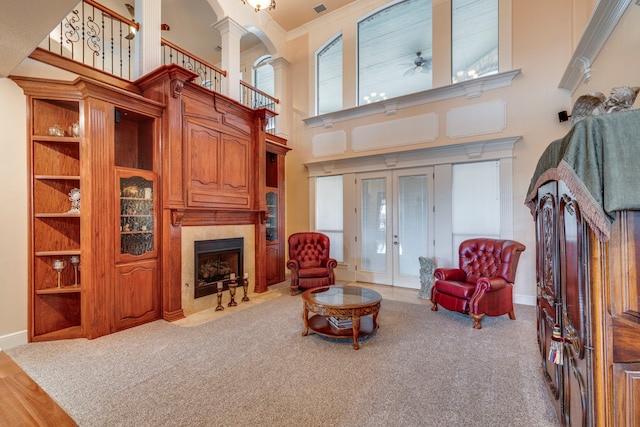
[(213, 170), (196, 217)]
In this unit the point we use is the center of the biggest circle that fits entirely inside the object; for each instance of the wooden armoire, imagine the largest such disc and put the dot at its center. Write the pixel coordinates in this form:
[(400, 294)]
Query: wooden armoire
[(588, 279)]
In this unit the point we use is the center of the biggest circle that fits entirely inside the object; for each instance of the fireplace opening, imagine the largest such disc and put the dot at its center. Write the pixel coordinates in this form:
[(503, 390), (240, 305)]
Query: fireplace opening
[(215, 261)]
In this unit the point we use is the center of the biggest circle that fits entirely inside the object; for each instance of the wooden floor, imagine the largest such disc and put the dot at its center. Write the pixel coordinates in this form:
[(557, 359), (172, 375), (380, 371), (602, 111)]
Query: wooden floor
[(23, 402)]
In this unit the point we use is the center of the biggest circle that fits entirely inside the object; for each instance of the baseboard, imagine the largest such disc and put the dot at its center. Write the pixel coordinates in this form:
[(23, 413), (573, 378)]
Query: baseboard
[(13, 340), (524, 300)]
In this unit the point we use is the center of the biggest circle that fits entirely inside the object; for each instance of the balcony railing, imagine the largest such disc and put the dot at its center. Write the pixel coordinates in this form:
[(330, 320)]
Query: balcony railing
[(209, 75), (97, 37), (255, 98)]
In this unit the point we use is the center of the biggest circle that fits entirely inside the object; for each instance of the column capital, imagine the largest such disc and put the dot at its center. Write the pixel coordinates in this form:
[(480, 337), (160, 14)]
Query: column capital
[(228, 25), (279, 63)]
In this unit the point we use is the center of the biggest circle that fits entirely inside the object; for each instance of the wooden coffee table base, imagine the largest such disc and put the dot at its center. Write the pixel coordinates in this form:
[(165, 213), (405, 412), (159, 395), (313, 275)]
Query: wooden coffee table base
[(361, 326), (358, 304)]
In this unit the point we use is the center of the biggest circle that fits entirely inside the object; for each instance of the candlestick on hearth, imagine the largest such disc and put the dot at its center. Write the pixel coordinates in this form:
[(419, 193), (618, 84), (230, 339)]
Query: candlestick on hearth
[(219, 307), (232, 292), (245, 287)]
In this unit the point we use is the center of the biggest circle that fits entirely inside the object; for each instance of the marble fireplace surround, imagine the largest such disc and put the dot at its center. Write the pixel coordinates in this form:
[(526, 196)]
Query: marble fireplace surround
[(191, 234)]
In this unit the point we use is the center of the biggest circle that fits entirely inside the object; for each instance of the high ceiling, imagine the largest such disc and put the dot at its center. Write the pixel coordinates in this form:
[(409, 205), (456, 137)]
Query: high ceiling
[(17, 39), (197, 16), (291, 14)]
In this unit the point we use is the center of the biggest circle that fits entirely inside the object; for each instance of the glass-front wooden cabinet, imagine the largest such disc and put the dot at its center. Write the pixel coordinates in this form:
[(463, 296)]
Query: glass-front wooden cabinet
[(274, 195), (137, 214), (272, 217), (137, 273)]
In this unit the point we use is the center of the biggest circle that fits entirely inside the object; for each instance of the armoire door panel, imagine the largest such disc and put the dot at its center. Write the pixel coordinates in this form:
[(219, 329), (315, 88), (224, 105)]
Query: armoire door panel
[(572, 255), (547, 318), (627, 394), (573, 273), (548, 251), (548, 278)]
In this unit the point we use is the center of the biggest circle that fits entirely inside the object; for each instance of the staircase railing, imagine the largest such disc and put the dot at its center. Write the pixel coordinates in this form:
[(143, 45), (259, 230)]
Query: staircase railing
[(254, 98), (95, 36), (209, 75)]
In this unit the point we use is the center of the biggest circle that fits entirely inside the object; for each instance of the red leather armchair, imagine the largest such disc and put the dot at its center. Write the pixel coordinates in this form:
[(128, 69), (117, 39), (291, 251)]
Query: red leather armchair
[(483, 283), (309, 261)]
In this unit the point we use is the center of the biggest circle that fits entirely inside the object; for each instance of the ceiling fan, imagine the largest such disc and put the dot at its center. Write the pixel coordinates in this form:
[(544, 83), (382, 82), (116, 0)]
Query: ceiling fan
[(420, 65)]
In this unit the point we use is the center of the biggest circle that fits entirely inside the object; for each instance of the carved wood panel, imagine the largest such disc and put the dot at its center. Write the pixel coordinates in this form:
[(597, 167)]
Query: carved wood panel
[(548, 285), (218, 167), (203, 145), (627, 390), (137, 295), (574, 255), (235, 165)]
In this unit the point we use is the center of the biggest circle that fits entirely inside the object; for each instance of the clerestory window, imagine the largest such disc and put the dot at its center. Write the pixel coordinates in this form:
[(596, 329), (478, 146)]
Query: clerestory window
[(474, 39), (263, 76), (329, 76), (395, 51)]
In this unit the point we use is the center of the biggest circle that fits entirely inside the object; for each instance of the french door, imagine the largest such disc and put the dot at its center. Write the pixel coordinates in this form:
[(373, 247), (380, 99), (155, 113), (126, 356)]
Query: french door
[(394, 225)]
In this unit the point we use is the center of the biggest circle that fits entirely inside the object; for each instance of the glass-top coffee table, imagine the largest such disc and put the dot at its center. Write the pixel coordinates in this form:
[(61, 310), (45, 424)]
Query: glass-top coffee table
[(341, 312)]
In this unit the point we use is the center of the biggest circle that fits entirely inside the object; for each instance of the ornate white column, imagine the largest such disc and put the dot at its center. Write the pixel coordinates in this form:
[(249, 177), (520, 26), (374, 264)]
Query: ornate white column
[(282, 91), (231, 33), (148, 38)]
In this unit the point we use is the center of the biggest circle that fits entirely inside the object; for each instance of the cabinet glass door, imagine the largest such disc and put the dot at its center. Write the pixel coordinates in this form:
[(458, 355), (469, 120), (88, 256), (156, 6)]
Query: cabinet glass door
[(137, 215), (272, 216)]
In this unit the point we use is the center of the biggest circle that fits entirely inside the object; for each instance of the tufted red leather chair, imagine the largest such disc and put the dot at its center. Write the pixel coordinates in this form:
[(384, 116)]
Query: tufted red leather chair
[(483, 284), (309, 261)]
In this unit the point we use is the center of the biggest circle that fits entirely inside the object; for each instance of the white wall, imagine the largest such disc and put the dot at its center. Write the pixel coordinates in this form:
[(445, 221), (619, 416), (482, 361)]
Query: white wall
[(541, 47), (13, 223)]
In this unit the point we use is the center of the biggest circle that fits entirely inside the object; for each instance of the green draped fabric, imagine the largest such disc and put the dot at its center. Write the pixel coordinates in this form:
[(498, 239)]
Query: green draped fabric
[(599, 160)]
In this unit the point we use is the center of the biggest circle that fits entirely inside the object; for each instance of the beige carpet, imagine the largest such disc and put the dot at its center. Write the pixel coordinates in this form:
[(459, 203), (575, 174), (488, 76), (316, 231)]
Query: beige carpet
[(252, 367)]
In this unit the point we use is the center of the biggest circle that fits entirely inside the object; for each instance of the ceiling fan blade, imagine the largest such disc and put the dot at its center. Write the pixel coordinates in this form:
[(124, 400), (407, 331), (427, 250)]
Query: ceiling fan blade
[(410, 70)]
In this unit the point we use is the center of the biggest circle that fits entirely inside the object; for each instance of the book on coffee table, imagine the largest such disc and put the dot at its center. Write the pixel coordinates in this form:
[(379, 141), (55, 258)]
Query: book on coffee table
[(340, 323)]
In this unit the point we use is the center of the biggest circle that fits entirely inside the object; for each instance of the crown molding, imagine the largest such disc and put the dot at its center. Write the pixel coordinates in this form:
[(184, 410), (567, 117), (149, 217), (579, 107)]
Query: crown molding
[(602, 23)]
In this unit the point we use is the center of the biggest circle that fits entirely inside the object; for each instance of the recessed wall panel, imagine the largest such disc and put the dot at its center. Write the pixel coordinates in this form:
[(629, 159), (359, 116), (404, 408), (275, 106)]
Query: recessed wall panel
[(395, 133), (478, 119), (329, 144)]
